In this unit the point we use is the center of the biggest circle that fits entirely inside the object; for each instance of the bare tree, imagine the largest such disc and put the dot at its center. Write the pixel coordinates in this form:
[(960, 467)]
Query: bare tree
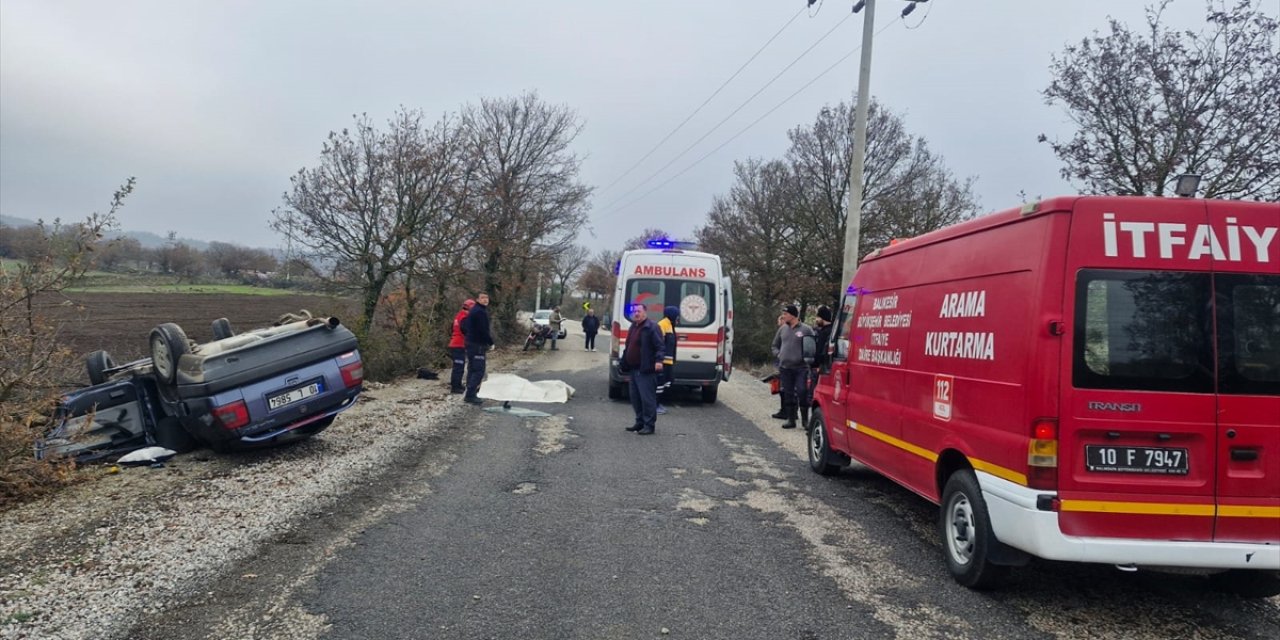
[(377, 200), (30, 358), (1154, 104), (528, 201), (598, 277), (566, 266)]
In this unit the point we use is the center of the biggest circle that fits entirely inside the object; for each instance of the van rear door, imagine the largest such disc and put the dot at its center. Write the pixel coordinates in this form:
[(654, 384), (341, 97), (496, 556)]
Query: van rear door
[(1138, 431), (726, 289), (1247, 297)]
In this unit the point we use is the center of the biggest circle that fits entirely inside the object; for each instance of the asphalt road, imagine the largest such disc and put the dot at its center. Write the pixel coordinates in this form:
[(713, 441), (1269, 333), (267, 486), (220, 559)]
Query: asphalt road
[(571, 527)]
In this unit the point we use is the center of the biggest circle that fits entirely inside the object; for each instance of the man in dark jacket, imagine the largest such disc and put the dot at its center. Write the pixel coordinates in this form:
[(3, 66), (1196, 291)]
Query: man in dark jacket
[(479, 341), (590, 326), (822, 336), (642, 359), (458, 348), (788, 346)]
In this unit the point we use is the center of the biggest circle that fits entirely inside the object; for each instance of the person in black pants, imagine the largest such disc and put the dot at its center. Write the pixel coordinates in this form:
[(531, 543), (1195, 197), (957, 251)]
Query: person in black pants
[(590, 326), (479, 342), (642, 359)]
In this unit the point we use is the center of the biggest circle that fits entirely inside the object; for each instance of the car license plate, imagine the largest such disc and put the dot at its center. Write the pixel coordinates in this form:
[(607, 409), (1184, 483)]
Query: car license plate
[(1157, 460), (289, 397)]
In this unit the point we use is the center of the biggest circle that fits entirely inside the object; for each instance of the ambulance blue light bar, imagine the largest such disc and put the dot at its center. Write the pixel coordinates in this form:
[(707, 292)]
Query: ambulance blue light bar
[(668, 243)]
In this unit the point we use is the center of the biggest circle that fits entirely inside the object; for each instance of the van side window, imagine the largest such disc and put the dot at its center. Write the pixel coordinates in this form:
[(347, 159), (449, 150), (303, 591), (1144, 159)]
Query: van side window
[(844, 325), (1248, 310), (1143, 330)]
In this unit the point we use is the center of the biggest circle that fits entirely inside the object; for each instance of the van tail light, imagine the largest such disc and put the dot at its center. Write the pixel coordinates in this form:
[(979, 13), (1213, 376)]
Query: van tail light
[(352, 374), (720, 346), (232, 416), (616, 343), (1042, 454)]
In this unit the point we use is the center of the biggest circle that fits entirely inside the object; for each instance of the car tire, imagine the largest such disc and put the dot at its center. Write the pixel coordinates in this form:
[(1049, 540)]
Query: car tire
[(968, 544), (222, 329), (168, 343), (709, 394), (97, 364), (615, 391), (170, 434), (822, 460), (1247, 583)]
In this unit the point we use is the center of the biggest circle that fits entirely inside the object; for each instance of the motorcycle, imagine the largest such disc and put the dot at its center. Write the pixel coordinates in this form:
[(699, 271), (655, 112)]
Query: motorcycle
[(538, 336)]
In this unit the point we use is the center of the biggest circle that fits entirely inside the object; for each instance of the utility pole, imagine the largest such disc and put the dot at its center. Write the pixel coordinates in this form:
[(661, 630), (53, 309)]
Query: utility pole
[(853, 217), (537, 302)]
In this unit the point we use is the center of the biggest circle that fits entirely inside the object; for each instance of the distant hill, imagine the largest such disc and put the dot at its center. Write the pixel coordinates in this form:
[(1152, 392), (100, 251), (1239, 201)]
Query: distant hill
[(147, 239)]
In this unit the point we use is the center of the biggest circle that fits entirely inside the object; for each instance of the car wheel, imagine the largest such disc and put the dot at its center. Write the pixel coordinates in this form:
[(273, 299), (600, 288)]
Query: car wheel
[(822, 459), (709, 393), (1247, 583), (168, 343), (615, 391), (967, 540), (222, 329), (170, 434), (97, 364)]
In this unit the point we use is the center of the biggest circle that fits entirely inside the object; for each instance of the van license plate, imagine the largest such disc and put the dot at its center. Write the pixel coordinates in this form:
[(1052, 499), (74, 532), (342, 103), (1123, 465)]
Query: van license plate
[(289, 397), (1157, 460)]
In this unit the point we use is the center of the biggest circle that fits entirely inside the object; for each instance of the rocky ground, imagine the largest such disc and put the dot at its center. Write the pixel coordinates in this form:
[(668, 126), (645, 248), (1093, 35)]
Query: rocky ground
[(88, 561)]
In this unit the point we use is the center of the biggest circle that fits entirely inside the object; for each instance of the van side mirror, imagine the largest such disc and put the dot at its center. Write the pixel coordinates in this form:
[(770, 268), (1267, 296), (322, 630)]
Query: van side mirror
[(842, 349)]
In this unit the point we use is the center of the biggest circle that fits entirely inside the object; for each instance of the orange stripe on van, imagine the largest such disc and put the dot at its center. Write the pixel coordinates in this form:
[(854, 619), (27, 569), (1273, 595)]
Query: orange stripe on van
[(981, 465), (1144, 508), (1248, 511)]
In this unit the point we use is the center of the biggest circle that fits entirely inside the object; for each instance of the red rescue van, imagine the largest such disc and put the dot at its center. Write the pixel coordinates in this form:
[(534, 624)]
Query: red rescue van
[(1093, 379)]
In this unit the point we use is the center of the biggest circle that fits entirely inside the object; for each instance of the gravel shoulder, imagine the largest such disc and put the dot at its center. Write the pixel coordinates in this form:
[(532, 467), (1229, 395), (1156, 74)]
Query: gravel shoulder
[(89, 561)]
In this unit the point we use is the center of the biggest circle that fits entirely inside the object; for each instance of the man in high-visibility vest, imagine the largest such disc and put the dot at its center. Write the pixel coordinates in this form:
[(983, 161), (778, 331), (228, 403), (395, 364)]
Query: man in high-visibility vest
[(670, 317)]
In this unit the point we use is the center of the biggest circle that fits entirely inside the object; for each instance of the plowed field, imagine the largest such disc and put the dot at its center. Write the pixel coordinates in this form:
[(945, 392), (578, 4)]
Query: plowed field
[(121, 322)]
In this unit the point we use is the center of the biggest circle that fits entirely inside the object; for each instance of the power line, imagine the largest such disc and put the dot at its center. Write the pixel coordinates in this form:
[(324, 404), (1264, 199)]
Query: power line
[(748, 127), (726, 118), (705, 102)]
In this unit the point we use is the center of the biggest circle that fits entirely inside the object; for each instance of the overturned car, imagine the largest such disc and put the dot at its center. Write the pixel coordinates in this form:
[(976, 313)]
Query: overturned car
[(258, 388)]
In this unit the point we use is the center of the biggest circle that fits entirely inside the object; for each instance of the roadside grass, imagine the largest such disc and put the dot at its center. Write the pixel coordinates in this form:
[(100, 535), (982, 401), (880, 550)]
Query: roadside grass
[(10, 264)]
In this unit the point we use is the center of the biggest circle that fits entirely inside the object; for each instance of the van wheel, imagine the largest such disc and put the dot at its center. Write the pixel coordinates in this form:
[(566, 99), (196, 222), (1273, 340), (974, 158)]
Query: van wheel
[(1247, 583), (709, 394), (822, 459), (168, 343), (967, 540), (97, 364), (170, 434), (615, 391), (222, 329)]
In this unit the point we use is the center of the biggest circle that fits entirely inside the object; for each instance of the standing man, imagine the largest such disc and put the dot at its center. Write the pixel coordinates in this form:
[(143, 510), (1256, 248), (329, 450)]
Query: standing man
[(590, 326), (788, 346), (642, 358), (555, 321), (479, 341), (782, 397), (822, 337), (458, 348), (670, 316)]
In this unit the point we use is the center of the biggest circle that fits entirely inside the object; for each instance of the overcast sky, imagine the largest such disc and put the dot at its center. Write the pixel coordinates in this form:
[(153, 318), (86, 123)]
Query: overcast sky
[(214, 105)]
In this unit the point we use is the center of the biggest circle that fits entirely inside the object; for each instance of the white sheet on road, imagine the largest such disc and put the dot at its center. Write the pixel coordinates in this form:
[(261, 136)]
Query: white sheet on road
[(513, 388)]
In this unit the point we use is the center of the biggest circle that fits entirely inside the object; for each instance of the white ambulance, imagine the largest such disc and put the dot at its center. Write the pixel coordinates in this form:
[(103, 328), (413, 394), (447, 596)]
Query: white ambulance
[(694, 282)]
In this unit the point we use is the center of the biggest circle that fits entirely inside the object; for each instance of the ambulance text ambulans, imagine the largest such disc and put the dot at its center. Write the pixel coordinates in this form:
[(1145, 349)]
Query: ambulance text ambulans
[(1091, 379), (694, 283)]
